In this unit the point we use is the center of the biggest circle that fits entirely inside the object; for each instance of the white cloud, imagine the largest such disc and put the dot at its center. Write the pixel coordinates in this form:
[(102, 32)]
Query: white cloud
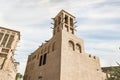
[(1, 19), (93, 26), (104, 12)]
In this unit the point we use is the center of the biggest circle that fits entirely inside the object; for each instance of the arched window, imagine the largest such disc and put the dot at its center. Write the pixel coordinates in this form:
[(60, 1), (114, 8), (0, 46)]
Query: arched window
[(71, 45), (78, 48), (53, 46)]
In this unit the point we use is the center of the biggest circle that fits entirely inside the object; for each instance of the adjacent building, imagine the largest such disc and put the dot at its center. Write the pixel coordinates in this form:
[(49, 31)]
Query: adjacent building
[(63, 57), (8, 42), (107, 70)]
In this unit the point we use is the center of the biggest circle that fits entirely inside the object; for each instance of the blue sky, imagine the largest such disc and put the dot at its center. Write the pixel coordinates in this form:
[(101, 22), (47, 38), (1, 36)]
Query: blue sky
[(98, 24)]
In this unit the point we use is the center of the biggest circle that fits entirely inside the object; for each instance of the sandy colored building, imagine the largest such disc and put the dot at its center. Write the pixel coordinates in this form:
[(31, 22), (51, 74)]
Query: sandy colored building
[(63, 57), (8, 41)]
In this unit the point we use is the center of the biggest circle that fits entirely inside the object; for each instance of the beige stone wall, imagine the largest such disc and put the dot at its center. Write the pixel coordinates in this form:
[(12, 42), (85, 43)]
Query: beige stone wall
[(76, 65), (51, 70), (64, 63), (7, 75)]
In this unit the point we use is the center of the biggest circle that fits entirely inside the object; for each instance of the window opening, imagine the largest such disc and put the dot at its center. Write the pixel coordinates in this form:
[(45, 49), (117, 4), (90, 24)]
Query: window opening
[(59, 20), (10, 41), (40, 61), (78, 48), (66, 19), (71, 22), (5, 39), (1, 35), (44, 60), (71, 45)]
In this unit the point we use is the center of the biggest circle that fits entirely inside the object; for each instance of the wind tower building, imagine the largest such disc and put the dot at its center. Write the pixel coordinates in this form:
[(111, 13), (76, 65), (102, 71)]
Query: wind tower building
[(8, 42), (63, 56)]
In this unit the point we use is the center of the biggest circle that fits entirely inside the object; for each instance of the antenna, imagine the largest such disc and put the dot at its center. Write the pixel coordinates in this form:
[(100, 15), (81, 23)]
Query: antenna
[(51, 27), (75, 22), (52, 18), (75, 26), (46, 40), (52, 23), (75, 29)]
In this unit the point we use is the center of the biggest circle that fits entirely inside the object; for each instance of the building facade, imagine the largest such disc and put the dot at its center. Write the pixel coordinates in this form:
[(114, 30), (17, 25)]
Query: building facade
[(8, 42), (63, 56)]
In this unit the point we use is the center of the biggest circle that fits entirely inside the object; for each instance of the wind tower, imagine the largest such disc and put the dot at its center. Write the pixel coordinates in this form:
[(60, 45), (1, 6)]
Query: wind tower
[(63, 56)]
